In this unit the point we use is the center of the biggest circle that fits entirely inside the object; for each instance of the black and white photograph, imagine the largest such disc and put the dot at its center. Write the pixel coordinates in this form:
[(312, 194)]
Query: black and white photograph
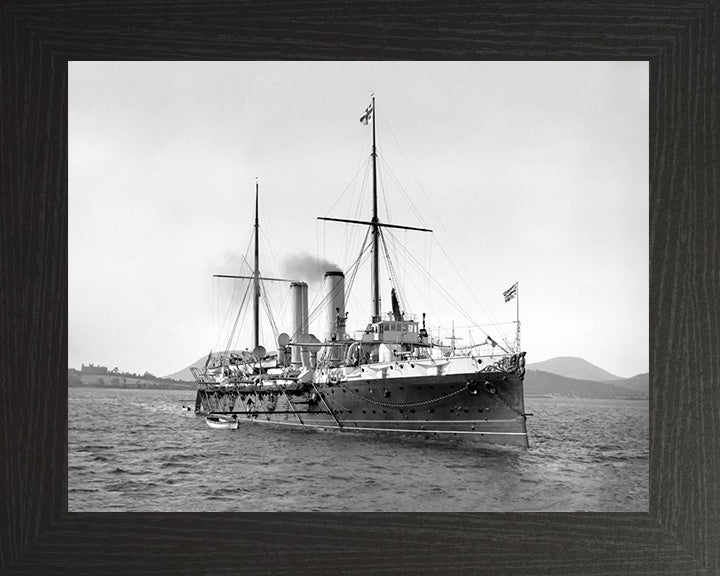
[(358, 286)]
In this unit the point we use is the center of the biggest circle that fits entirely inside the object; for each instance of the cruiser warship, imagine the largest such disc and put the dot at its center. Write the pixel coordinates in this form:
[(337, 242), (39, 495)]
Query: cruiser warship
[(391, 377)]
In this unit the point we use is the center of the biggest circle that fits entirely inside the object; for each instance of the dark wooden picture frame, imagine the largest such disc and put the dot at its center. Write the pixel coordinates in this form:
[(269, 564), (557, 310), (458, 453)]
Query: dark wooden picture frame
[(681, 532)]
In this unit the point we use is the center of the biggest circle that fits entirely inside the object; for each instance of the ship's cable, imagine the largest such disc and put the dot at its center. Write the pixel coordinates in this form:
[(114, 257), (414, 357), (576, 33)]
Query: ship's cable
[(473, 294)]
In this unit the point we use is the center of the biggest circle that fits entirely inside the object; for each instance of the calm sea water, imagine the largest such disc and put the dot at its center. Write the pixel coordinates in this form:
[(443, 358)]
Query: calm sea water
[(137, 450)]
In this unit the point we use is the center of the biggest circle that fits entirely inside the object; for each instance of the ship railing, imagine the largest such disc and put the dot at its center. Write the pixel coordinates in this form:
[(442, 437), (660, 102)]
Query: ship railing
[(201, 377), (485, 339)]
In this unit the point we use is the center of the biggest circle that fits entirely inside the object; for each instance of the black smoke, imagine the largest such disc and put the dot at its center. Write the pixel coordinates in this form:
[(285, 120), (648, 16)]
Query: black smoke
[(307, 268)]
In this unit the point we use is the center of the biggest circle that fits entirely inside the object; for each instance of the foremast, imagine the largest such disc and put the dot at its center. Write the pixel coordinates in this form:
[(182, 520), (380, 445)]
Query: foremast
[(256, 276)]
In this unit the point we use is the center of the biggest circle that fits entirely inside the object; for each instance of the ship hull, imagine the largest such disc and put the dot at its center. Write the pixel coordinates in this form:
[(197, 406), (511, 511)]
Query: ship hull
[(486, 408)]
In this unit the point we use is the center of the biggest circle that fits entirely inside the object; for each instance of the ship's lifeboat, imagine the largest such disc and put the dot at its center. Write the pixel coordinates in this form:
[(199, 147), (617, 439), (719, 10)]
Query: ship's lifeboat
[(222, 421)]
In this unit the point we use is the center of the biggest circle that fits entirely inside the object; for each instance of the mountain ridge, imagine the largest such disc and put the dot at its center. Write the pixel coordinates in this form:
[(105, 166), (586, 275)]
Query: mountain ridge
[(574, 367), (540, 383)]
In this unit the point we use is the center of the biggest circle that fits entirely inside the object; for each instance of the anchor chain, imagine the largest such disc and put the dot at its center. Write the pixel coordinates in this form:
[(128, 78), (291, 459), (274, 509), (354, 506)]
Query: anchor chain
[(493, 392), (406, 405)]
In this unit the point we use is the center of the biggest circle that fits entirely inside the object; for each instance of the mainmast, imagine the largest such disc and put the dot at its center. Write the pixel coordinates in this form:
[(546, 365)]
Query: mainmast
[(256, 276), (374, 223), (375, 230)]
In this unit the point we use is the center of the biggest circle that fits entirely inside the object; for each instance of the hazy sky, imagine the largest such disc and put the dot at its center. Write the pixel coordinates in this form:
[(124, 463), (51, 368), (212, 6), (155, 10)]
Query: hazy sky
[(527, 172)]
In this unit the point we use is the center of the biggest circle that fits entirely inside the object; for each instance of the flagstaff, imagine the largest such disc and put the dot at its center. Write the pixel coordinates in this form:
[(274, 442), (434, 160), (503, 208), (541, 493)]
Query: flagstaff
[(509, 294)]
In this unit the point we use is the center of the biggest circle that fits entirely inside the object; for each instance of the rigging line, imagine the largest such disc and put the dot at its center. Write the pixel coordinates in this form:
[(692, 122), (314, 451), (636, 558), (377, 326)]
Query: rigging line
[(315, 310), (423, 272), (243, 322), (446, 293), (318, 308), (273, 308), (237, 319), (355, 265), (363, 162), (232, 302), (282, 308), (268, 310), (384, 196), (317, 296), (429, 267), (404, 262), (271, 239), (346, 189), (252, 270), (269, 270), (363, 246), (231, 305), (350, 235), (397, 143), (234, 254), (415, 209), (429, 277), (489, 314), (391, 272), (322, 304), (351, 282), (214, 305), (432, 207), (362, 197), (247, 251), (320, 233), (393, 244)]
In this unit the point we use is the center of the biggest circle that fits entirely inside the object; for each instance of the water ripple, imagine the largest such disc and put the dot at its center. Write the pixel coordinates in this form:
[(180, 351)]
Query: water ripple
[(138, 450)]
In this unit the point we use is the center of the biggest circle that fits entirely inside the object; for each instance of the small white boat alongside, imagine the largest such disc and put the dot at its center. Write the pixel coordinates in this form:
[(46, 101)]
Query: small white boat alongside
[(222, 421)]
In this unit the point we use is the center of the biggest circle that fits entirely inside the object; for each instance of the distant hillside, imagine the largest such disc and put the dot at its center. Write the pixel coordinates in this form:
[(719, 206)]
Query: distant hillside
[(77, 379), (185, 375), (574, 367), (539, 383), (639, 383)]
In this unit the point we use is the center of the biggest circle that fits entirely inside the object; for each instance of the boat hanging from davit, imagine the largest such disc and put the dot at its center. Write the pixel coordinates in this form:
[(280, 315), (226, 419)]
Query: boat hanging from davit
[(392, 377)]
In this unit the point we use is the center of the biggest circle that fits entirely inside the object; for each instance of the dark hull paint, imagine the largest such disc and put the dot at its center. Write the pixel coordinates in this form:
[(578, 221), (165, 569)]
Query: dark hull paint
[(485, 407)]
